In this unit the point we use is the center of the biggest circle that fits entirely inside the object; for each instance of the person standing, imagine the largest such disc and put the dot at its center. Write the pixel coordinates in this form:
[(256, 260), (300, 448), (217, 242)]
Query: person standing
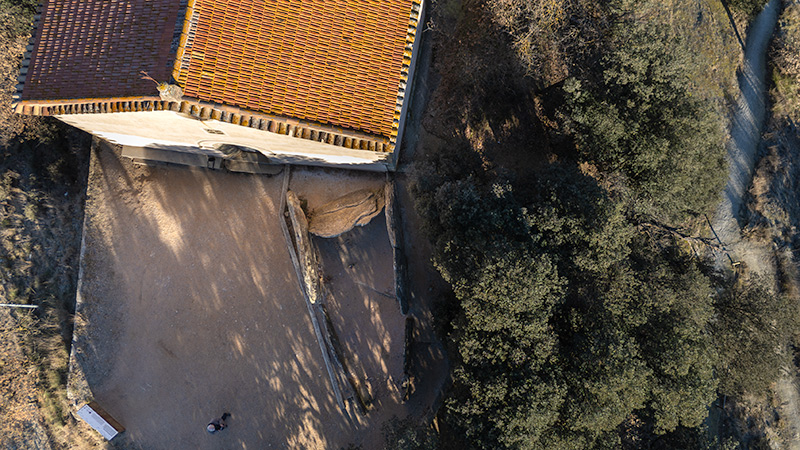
[(217, 424)]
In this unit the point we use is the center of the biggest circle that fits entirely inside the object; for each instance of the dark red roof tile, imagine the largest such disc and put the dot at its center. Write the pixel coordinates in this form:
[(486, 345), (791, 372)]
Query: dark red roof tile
[(96, 48)]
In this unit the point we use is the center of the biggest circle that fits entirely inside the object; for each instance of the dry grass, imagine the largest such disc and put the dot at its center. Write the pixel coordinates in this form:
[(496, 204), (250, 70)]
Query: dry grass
[(785, 53), (773, 220), (40, 218)]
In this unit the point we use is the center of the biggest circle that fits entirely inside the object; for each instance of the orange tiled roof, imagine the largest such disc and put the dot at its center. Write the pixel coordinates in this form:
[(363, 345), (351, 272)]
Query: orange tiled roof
[(336, 62), (96, 48)]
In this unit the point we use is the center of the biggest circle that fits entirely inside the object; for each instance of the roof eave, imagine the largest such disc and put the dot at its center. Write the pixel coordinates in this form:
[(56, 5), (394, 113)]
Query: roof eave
[(409, 56), (327, 134), (16, 98)]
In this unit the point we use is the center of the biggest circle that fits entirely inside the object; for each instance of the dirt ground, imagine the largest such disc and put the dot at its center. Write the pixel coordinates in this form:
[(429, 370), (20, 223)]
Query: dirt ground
[(765, 164), (193, 309), (746, 126), (773, 218), (190, 307)]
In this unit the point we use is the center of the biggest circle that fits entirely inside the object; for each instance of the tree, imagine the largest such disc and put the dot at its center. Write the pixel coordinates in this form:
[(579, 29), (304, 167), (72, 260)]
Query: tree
[(751, 327), (506, 391), (569, 322), (632, 329), (642, 120)]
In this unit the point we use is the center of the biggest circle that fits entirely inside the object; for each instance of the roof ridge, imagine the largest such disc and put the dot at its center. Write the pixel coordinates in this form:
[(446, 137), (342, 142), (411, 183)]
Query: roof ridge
[(177, 32), (183, 55)]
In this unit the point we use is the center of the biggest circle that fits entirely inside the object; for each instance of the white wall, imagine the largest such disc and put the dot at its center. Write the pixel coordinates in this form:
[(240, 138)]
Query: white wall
[(176, 131)]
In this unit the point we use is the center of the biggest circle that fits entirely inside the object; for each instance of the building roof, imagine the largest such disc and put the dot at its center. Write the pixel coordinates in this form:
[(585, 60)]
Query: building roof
[(96, 48), (336, 62), (322, 63)]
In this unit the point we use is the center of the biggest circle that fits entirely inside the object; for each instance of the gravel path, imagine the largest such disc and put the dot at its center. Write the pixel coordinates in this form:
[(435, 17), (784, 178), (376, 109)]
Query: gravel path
[(746, 126)]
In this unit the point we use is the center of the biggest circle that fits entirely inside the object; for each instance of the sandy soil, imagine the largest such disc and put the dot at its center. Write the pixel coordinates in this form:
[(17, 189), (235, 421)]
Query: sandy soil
[(193, 309), (357, 273), (359, 283), (190, 307)]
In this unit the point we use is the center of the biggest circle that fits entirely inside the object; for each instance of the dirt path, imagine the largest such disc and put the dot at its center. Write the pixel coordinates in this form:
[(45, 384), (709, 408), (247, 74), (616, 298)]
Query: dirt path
[(746, 126)]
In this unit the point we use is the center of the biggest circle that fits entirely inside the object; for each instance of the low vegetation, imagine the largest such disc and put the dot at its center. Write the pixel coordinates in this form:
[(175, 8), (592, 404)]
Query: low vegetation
[(550, 37), (748, 8), (786, 65)]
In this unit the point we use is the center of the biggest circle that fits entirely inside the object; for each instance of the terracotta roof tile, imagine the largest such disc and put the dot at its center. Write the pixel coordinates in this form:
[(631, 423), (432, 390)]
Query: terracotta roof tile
[(329, 64), (96, 48), (335, 62)]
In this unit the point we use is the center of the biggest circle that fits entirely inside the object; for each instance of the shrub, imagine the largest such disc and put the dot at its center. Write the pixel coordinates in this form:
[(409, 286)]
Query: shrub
[(786, 65), (405, 435), (551, 37)]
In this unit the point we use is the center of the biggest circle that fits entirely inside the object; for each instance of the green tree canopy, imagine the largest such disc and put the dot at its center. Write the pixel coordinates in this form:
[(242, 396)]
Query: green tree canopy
[(643, 120), (569, 320)]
